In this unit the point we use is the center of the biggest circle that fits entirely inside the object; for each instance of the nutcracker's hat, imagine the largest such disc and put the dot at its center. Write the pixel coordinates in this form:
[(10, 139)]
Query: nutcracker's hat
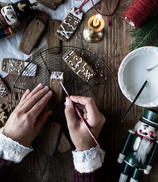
[(150, 117), (22, 9)]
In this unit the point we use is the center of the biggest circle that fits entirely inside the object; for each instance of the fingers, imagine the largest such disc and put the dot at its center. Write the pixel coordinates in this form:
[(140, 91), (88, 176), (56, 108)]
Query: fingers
[(35, 90), (34, 99), (88, 102), (41, 121), (27, 95), (72, 121), (22, 101), (40, 104)]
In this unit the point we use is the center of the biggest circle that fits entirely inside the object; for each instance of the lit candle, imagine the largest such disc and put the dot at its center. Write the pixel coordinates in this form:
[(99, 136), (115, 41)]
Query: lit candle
[(96, 21)]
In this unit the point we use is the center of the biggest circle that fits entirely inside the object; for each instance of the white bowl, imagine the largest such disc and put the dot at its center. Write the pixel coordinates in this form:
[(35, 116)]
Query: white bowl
[(133, 73)]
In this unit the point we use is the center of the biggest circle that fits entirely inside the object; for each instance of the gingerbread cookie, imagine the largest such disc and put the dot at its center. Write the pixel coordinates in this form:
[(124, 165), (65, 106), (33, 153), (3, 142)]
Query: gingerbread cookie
[(55, 86), (14, 66), (3, 88), (69, 25), (3, 116), (31, 36), (51, 39), (64, 144), (41, 16), (51, 137), (78, 65), (52, 4)]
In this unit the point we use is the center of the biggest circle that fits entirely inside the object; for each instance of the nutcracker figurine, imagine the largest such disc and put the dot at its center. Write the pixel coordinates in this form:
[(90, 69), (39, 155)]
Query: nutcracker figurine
[(12, 15), (141, 147)]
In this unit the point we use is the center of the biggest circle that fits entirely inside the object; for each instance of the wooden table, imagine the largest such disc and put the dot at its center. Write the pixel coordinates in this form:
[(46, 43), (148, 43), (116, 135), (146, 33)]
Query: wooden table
[(111, 49)]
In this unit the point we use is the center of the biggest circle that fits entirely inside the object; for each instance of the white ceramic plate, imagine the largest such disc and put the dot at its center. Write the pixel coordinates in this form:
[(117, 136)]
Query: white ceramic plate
[(133, 73)]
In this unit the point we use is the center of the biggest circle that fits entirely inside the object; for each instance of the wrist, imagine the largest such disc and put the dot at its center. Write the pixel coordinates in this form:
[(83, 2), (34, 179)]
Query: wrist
[(88, 160), (11, 150)]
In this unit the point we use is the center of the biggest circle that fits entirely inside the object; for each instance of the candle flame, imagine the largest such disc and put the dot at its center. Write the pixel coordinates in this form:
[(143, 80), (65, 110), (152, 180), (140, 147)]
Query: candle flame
[(98, 17)]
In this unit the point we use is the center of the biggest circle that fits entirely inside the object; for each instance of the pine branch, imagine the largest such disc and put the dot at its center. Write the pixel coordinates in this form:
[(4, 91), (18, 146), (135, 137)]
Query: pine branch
[(144, 34)]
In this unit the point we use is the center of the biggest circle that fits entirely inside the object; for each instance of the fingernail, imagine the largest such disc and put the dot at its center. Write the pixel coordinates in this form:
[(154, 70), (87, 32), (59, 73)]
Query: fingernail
[(67, 101), (40, 85), (49, 92), (27, 91), (46, 87)]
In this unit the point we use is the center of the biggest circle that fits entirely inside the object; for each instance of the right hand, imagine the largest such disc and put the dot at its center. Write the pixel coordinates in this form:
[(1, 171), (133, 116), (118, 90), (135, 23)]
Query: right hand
[(77, 129)]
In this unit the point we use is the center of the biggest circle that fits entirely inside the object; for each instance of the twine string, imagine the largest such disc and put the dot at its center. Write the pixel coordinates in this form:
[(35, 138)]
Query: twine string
[(108, 15), (139, 11)]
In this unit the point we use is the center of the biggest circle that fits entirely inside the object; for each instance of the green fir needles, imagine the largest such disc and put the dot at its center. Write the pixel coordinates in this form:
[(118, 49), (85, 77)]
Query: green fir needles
[(144, 34)]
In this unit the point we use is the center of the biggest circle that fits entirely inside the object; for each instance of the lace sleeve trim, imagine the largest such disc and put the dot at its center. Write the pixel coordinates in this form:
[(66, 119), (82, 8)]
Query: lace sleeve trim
[(88, 160), (11, 150)]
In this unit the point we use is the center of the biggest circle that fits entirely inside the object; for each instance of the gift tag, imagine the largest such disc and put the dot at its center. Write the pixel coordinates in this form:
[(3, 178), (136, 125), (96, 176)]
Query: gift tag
[(69, 25)]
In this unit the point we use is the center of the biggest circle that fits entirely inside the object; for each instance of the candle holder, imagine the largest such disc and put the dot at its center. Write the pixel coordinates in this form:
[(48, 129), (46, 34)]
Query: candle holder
[(93, 32)]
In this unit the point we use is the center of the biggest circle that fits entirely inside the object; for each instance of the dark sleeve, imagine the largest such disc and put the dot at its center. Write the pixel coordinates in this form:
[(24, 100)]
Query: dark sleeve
[(95, 176), (5, 168)]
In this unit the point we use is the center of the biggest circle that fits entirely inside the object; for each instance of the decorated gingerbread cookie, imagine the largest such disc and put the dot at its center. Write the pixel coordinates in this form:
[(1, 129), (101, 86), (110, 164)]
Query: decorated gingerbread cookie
[(3, 116), (78, 65), (55, 79), (3, 88), (69, 25), (15, 67)]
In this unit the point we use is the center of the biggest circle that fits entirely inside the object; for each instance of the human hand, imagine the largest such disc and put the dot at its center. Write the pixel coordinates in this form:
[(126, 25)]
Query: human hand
[(77, 129), (22, 125)]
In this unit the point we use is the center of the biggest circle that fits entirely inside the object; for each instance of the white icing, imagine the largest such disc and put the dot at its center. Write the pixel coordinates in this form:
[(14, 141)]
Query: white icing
[(88, 74), (79, 15), (64, 32), (71, 52), (57, 75), (77, 65), (9, 67), (74, 28), (30, 70), (2, 90)]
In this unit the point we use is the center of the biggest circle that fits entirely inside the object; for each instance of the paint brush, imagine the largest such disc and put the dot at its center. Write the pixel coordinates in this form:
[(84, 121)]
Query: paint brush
[(80, 115), (140, 91)]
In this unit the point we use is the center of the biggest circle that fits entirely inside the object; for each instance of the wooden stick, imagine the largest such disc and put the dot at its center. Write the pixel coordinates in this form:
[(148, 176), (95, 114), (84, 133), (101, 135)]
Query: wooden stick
[(135, 100)]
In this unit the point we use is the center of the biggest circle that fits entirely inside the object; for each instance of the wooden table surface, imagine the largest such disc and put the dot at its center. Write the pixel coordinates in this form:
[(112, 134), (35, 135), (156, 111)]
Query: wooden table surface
[(36, 167)]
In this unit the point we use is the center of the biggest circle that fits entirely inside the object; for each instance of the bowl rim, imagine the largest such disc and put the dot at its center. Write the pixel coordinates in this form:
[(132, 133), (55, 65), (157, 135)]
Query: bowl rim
[(121, 69)]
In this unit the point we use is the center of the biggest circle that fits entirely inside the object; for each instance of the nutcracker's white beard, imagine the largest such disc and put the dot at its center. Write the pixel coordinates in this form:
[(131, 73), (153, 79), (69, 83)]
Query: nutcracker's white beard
[(143, 150)]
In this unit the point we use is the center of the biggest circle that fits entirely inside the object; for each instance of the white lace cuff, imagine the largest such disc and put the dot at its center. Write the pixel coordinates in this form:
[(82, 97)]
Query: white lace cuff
[(88, 160), (11, 150)]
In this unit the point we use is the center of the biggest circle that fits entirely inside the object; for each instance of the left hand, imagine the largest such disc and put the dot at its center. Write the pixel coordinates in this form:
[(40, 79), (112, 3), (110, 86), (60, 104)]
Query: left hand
[(22, 125)]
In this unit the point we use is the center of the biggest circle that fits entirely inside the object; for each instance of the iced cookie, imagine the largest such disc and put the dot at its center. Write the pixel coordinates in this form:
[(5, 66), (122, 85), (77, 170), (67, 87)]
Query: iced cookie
[(78, 65), (69, 25), (15, 67), (3, 88), (55, 86)]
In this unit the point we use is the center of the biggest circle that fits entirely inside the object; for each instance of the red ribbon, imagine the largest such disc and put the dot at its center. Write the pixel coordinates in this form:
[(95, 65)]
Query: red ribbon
[(85, 1)]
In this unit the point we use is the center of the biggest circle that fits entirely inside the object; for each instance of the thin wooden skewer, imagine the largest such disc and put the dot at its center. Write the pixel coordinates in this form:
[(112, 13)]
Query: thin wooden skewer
[(135, 100), (82, 118)]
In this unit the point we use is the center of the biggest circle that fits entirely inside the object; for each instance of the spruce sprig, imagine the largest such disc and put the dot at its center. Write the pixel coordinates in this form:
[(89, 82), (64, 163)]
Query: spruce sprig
[(144, 34)]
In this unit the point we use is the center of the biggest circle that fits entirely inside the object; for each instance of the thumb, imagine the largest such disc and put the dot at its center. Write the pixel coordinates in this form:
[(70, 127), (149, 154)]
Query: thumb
[(70, 113), (43, 118)]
